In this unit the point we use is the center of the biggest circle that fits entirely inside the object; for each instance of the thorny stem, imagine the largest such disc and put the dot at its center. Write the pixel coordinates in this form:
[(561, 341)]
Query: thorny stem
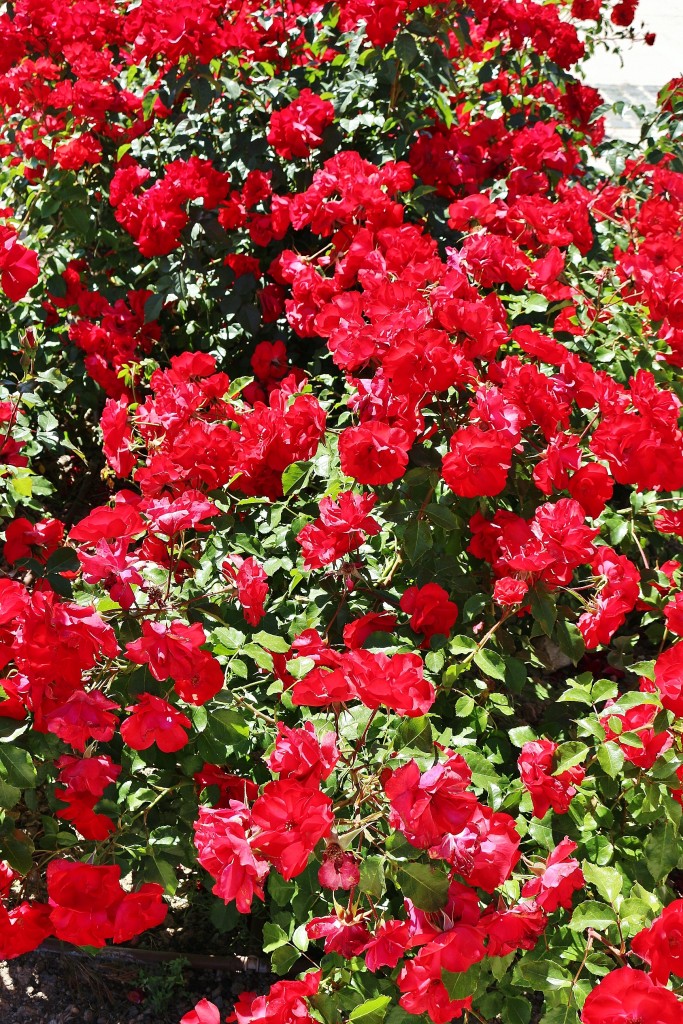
[(362, 738)]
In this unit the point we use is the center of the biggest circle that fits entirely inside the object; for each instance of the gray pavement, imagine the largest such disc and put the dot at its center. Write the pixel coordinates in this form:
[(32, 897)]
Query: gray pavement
[(637, 72)]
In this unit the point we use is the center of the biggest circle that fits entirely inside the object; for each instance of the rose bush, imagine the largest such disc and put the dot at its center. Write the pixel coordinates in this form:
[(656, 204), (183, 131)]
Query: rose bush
[(341, 492)]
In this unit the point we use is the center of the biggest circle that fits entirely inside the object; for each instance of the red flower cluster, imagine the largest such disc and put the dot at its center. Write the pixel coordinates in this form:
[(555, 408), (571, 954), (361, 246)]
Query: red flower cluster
[(156, 217), (297, 128), (546, 788), (19, 269)]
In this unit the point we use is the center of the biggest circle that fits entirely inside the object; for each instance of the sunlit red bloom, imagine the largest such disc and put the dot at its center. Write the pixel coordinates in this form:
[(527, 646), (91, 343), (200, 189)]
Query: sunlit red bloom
[(546, 789), (284, 1003), (431, 612), (298, 754), (357, 631), (291, 819), (153, 720), (339, 869), (423, 990), (252, 587), (84, 716), (297, 128), (342, 527), (388, 944), (630, 995), (426, 806), (343, 933), (661, 945), (639, 720), (88, 905), (673, 613), (224, 849), (205, 1012), (24, 539), (555, 882), (517, 927), (669, 678), (477, 463), (374, 453), (23, 929), (18, 265)]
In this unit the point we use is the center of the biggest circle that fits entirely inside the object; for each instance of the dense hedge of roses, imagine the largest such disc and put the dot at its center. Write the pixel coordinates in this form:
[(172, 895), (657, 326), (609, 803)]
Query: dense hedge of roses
[(341, 474)]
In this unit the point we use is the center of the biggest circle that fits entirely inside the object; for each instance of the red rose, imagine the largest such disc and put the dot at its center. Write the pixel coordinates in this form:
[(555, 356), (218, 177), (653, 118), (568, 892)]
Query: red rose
[(24, 539), (292, 818), (284, 1002), (430, 610), (205, 1012), (669, 678), (153, 720), (547, 790), (626, 996), (297, 129), (374, 453), (426, 806), (661, 945), (477, 464), (556, 881)]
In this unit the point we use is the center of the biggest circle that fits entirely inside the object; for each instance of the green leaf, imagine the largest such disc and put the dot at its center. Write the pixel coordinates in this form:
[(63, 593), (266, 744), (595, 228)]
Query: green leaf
[(662, 850), (607, 881), (62, 560), (635, 915), (284, 958), (415, 733), (9, 795), (568, 755), (462, 645), (461, 984), (300, 667), (16, 767), (262, 658), (295, 474), (280, 890), (604, 689), (424, 884), (165, 875), (521, 735), (491, 664), (442, 516), (569, 640), (535, 303), (633, 699), (373, 1011), (517, 1010), (538, 971), (22, 486), (231, 639), (483, 772), (643, 668), (464, 706), (632, 739), (406, 49), (372, 876), (417, 540), (592, 914), (611, 758), (561, 1015), (272, 643), (153, 307), (273, 937), (543, 609), (327, 1006), (17, 850)]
